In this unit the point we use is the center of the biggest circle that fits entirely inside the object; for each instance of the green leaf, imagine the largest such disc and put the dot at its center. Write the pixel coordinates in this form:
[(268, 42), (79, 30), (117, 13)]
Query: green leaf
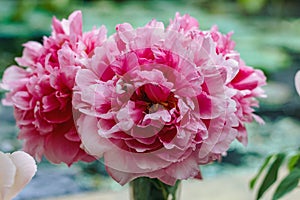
[(287, 184), (264, 165), (294, 161), (271, 175)]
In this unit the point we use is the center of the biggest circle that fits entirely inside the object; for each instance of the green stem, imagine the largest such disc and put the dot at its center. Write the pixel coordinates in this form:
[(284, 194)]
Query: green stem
[(145, 188)]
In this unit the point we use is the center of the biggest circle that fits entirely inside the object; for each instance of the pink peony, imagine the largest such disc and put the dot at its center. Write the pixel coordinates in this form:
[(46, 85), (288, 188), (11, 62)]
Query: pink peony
[(297, 82), (16, 170), (40, 90), (247, 83), (159, 102)]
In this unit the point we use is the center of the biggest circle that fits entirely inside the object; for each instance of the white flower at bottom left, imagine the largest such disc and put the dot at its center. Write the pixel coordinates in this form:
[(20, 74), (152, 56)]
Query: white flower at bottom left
[(16, 170)]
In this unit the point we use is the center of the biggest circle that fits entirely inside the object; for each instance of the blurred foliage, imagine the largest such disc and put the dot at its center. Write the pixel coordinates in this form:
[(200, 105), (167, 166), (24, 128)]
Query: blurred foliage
[(252, 6), (266, 31), (263, 39)]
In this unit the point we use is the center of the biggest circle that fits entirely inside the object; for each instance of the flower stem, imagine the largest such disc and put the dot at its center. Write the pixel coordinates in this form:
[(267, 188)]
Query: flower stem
[(145, 188)]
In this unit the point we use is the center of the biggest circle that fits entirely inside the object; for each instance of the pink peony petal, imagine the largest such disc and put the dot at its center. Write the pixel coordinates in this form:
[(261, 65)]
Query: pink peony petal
[(59, 149), (184, 169), (31, 54), (90, 139), (14, 77), (75, 20), (185, 22)]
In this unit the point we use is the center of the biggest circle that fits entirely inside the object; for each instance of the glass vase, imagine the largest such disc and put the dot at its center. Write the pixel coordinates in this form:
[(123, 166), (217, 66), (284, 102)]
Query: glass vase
[(145, 188)]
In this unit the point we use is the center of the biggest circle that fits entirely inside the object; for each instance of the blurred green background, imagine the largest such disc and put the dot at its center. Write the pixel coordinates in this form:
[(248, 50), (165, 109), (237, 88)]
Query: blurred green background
[(267, 35)]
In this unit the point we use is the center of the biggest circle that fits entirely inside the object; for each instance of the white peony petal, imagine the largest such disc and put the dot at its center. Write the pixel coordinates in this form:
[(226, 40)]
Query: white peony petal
[(7, 174), (25, 169), (297, 82)]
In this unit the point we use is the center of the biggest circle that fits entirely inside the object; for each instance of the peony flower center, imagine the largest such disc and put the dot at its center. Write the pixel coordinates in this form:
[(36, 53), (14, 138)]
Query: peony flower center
[(151, 122), (155, 97), (152, 108)]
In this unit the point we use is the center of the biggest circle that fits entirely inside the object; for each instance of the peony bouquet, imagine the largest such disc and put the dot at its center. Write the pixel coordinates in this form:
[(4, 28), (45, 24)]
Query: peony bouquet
[(154, 102)]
